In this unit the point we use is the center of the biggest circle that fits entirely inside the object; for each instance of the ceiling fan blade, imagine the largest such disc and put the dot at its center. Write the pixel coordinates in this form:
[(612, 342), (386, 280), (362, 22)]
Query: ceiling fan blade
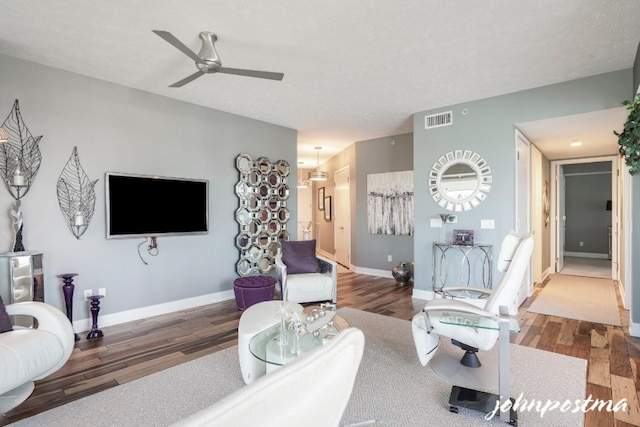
[(178, 44), (252, 73), (186, 80)]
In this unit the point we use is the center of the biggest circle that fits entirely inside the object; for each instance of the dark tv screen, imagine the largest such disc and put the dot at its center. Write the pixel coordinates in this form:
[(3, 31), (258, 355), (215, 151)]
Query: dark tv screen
[(151, 206)]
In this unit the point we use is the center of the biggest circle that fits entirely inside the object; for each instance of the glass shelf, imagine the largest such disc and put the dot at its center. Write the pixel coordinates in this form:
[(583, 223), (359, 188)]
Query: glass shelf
[(479, 322)]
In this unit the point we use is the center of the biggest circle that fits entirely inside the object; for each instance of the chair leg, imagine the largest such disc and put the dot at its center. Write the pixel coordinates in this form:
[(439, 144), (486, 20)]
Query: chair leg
[(470, 358)]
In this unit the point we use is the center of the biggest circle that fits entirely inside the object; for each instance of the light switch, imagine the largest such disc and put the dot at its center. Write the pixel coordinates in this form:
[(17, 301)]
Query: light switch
[(487, 223)]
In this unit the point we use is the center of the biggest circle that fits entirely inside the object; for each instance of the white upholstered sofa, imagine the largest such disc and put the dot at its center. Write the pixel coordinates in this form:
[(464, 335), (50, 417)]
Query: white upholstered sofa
[(29, 354)]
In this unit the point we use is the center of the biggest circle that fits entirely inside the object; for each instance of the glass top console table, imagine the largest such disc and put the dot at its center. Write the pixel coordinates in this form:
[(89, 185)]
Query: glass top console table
[(461, 265)]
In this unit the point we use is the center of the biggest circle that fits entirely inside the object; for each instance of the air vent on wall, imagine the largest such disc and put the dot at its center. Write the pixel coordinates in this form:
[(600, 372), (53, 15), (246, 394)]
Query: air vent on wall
[(437, 120)]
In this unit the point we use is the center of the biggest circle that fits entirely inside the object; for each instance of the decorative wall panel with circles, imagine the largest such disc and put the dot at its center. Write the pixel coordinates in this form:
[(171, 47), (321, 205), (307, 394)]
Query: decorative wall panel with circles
[(262, 213)]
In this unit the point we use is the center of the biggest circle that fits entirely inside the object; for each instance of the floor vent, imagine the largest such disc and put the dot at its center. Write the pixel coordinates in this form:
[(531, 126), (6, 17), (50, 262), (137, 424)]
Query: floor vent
[(438, 120)]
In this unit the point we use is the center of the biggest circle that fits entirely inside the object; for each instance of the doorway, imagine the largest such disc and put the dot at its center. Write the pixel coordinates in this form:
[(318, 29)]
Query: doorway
[(585, 225), (523, 205), (342, 217)]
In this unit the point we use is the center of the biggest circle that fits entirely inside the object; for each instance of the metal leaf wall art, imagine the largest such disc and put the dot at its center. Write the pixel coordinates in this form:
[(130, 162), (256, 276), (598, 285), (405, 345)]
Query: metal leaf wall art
[(76, 195), (20, 157)]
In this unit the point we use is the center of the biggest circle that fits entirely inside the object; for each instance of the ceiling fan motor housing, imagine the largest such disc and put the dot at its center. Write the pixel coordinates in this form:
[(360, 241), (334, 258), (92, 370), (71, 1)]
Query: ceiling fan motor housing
[(210, 60)]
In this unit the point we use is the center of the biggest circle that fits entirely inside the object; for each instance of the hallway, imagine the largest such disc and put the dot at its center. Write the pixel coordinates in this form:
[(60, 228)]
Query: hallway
[(590, 267)]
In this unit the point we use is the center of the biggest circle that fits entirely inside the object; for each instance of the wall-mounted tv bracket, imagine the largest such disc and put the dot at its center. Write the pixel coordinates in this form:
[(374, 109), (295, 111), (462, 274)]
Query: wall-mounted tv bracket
[(152, 248)]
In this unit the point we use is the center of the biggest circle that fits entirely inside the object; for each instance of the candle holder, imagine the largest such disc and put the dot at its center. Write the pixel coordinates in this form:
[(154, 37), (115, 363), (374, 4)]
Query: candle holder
[(67, 289), (95, 309), (20, 160), (20, 156), (76, 195)]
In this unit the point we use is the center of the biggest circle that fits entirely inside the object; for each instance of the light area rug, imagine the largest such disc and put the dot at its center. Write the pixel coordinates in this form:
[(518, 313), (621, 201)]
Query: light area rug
[(580, 298), (591, 267), (391, 386)]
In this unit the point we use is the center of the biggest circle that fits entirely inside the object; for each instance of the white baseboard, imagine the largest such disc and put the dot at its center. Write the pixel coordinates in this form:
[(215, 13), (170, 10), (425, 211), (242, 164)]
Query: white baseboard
[(372, 272), (587, 255), (546, 274), (623, 294), (153, 310), (634, 329), (422, 294), (325, 254)]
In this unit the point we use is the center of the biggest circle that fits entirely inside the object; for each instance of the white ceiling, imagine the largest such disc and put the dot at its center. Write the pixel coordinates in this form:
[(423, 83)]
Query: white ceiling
[(354, 70)]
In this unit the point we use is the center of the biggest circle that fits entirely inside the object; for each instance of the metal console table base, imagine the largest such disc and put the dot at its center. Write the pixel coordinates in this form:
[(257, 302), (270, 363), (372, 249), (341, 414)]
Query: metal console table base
[(474, 264)]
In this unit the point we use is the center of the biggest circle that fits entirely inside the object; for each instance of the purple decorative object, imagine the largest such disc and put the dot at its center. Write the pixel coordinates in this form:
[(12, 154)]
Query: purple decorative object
[(95, 309), (300, 256), (251, 290), (67, 290)]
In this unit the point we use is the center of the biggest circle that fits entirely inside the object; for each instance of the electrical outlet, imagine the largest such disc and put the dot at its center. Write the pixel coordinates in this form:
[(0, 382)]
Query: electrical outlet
[(389, 258), (487, 223), (102, 291), (87, 294)]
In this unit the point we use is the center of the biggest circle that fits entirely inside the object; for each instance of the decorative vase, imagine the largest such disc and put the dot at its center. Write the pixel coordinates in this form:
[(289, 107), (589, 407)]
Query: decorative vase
[(402, 273)]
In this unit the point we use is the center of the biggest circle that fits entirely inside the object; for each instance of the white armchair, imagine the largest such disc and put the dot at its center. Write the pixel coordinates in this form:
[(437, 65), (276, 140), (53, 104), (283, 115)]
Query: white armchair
[(303, 276), (513, 260), (30, 354), (311, 391)]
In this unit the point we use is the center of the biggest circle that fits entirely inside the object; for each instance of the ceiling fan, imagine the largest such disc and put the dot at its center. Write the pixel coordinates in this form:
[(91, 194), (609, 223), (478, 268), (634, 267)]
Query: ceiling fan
[(208, 61)]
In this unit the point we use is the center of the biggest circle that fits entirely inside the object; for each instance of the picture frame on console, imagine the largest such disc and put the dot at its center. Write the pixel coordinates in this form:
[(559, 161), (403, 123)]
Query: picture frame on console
[(463, 237)]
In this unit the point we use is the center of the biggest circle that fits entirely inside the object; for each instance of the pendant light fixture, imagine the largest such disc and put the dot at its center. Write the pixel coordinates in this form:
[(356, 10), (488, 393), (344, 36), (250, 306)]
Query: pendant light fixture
[(318, 175), (302, 183)]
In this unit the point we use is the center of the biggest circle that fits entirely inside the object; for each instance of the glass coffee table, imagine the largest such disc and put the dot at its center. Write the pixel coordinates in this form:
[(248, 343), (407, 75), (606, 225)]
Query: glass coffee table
[(277, 347)]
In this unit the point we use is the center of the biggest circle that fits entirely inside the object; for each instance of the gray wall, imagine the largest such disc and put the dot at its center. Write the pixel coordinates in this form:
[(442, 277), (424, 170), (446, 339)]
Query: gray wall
[(636, 74), (488, 129), (120, 129), (635, 211), (379, 156), (363, 158), (587, 190)]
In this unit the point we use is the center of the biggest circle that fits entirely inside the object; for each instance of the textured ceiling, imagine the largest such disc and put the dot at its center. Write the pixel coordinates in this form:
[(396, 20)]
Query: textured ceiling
[(354, 70)]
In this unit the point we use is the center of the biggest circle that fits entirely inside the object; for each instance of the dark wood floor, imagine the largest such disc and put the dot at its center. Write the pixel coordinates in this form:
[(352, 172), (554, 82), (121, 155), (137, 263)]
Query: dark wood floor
[(133, 350)]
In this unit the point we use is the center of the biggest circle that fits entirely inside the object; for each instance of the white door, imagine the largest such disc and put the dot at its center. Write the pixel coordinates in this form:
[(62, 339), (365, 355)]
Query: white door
[(561, 218), (616, 187), (342, 217), (523, 205), (538, 189)]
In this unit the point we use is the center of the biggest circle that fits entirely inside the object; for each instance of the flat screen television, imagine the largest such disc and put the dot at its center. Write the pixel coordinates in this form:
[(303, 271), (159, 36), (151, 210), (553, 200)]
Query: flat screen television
[(153, 206)]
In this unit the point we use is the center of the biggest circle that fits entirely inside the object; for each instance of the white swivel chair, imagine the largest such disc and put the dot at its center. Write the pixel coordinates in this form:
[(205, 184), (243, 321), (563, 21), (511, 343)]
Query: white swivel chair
[(255, 319), (304, 276), (312, 391), (513, 260), (30, 354)]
